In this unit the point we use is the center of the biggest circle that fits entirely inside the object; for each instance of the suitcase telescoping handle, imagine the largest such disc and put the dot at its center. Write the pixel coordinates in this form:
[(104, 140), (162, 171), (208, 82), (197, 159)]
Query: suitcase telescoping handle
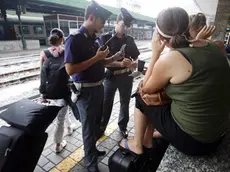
[(8, 150)]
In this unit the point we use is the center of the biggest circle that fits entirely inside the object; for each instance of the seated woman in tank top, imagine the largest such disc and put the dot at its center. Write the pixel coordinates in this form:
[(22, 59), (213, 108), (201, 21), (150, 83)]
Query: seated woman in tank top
[(198, 29), (196, 81)]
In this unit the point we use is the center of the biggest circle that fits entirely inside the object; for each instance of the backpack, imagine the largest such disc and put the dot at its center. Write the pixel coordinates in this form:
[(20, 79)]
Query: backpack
[(54, 78)]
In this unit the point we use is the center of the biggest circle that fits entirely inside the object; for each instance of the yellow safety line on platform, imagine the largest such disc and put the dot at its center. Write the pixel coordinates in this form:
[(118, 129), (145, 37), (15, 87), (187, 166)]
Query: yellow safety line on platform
[(74, 158), (54, 170)]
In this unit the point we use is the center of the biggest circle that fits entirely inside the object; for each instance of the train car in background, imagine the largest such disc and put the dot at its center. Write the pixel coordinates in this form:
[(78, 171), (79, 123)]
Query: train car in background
[(67, 23), (38, 28), (32, 27)]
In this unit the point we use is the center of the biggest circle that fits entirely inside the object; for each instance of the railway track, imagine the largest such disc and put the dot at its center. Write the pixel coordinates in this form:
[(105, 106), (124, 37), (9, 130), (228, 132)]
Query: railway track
[(20, 76), (9, 61), (19, 62), (4, 59), (19, 80), (19, 71)]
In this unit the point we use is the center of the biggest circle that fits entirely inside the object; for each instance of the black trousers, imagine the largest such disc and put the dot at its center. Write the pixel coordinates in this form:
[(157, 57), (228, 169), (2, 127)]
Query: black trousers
[(124, 84), (163, 121)]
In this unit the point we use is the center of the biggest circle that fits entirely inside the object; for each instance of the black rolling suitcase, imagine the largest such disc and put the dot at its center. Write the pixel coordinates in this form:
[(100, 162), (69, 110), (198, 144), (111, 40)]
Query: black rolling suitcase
[(126, 161), (20, 151)]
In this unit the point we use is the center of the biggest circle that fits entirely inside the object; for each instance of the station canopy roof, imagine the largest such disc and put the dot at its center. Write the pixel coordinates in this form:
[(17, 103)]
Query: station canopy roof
[(70, 7)]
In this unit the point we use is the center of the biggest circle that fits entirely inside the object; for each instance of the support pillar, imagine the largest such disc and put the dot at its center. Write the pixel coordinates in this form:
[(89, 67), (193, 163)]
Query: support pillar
[(221, 20), (18, 12)]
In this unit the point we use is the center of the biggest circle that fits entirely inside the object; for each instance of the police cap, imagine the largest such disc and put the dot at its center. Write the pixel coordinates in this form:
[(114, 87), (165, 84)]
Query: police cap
[(97, 10), (126, 17)]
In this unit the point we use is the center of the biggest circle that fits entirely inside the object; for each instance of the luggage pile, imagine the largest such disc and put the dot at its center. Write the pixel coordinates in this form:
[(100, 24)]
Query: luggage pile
[(22, 143)]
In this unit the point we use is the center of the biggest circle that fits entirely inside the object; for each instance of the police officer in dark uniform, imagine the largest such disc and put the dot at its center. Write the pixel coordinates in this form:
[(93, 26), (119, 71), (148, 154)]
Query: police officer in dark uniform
[(85, 61), (117, 74)]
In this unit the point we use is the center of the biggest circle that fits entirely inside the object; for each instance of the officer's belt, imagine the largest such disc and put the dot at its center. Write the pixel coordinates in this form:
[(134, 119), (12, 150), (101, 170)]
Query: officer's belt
[(119, 72), (89, 84)]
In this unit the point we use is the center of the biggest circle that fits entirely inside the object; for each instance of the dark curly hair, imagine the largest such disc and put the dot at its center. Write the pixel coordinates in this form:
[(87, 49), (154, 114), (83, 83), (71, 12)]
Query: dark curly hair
[(197, 21), (55, 36)]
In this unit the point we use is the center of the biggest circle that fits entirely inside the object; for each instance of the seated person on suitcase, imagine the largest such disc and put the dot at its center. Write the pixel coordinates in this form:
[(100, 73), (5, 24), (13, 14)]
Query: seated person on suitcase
[(57, 51), (196, 80)]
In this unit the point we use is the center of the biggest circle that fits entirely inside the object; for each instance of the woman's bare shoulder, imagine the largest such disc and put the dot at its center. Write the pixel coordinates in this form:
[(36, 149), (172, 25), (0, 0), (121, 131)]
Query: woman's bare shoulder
[(170, 56)]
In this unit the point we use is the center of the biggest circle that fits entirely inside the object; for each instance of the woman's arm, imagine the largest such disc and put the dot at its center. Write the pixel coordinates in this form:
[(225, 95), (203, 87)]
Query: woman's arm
[(42, 54), (158, 46), (170, 67), (154, 58), (159, 76)]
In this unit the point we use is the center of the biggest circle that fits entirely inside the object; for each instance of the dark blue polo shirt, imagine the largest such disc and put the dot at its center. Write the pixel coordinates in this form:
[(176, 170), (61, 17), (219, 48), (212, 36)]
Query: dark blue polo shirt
[(131, 50), (80, 47)]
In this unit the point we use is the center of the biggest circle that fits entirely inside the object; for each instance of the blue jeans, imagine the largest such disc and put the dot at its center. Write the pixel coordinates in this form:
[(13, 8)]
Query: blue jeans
[(90, 104), (124, 84)]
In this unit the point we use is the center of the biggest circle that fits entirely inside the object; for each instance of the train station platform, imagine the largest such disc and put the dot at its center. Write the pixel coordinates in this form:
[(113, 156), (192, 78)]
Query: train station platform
[(72, 158), (22, 53)]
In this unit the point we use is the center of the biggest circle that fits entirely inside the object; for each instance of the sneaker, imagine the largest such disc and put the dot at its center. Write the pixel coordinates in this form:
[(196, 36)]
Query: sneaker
[(61, 146), (71, 129)]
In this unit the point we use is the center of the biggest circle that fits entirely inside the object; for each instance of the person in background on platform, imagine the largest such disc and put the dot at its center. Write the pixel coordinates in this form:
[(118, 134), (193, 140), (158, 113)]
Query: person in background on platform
[(2, 34), (197, 82), (199, 29), (197, 22), (117, 74), (56, 39), (85, 61), (11, 33)]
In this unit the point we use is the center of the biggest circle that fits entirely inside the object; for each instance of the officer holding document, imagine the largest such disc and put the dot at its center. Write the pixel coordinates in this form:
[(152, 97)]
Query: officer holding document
[(84, 62), (117, 74)]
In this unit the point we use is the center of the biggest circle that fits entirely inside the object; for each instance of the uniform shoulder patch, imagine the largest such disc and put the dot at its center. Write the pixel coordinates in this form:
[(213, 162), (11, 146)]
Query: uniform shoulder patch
[(75, 36), (75, 33)]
